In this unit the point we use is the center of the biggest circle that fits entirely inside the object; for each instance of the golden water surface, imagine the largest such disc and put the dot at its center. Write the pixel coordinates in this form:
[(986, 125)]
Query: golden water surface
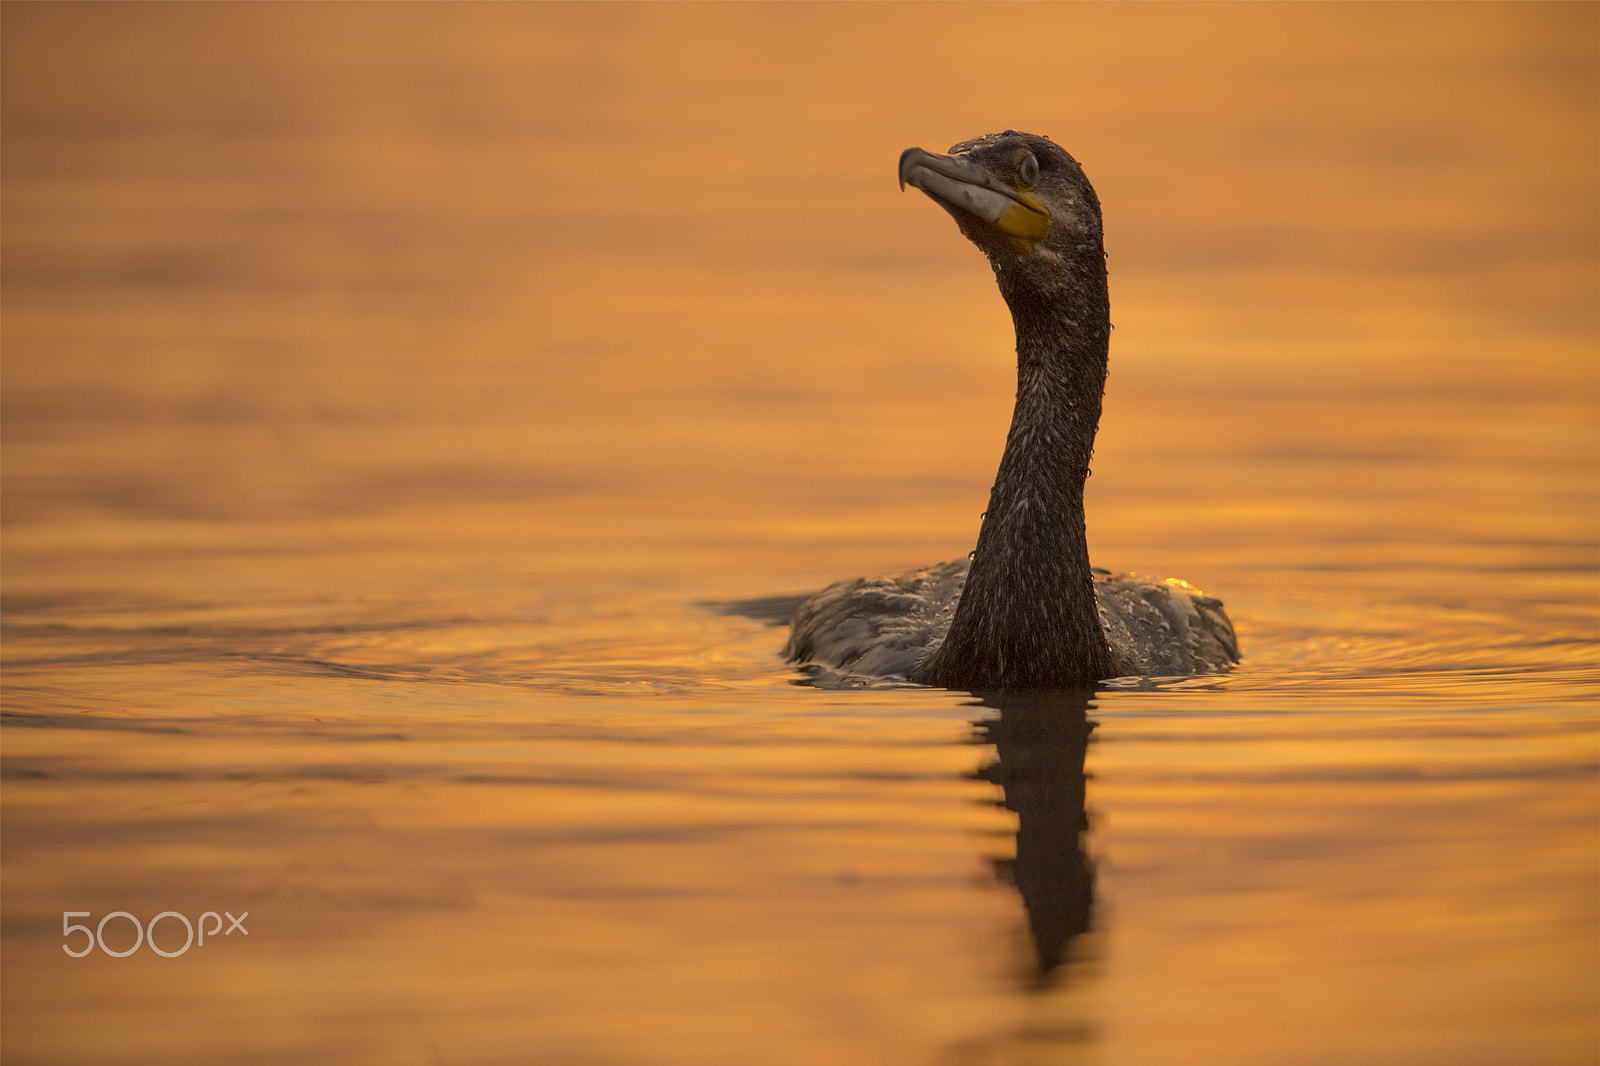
[(403, 405)]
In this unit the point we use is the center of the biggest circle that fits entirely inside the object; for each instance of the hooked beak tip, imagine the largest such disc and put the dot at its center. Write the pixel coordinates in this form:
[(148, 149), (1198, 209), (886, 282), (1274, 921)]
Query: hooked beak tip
[(908, 159)]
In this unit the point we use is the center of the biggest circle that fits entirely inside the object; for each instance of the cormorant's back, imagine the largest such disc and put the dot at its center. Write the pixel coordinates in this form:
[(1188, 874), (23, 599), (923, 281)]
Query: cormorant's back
[(881, 628)]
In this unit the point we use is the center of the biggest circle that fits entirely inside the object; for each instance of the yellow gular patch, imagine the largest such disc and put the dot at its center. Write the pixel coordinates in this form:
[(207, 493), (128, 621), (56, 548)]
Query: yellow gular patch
[(1025, 222)]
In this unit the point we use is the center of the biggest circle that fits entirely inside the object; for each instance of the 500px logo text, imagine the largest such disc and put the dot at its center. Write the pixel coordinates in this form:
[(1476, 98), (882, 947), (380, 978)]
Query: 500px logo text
[(146, 933)]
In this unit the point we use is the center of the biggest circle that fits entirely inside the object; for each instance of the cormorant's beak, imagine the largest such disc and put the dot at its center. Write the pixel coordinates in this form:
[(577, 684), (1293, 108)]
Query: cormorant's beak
[(966, 189)]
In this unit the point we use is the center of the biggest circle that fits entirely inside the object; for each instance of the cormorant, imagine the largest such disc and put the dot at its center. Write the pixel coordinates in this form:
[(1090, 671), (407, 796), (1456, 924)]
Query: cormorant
[(1025, 610)]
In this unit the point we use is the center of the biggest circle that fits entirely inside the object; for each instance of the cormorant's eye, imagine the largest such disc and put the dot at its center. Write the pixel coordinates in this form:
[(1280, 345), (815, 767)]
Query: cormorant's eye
[(1028, 170)]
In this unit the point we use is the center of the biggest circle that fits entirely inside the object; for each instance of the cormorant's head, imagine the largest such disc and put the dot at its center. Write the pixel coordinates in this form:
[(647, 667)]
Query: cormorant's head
[(1015, 195)]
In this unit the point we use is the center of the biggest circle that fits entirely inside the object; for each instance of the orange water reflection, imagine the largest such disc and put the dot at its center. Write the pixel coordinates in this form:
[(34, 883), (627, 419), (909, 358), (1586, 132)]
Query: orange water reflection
[(388, 388)]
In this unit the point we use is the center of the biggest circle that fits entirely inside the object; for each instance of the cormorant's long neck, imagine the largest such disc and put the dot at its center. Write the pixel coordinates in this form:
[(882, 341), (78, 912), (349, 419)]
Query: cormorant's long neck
[(1027, 615)]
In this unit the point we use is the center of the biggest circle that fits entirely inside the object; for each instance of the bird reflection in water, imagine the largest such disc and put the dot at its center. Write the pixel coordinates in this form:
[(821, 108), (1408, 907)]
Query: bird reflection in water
[(1040, 739)]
